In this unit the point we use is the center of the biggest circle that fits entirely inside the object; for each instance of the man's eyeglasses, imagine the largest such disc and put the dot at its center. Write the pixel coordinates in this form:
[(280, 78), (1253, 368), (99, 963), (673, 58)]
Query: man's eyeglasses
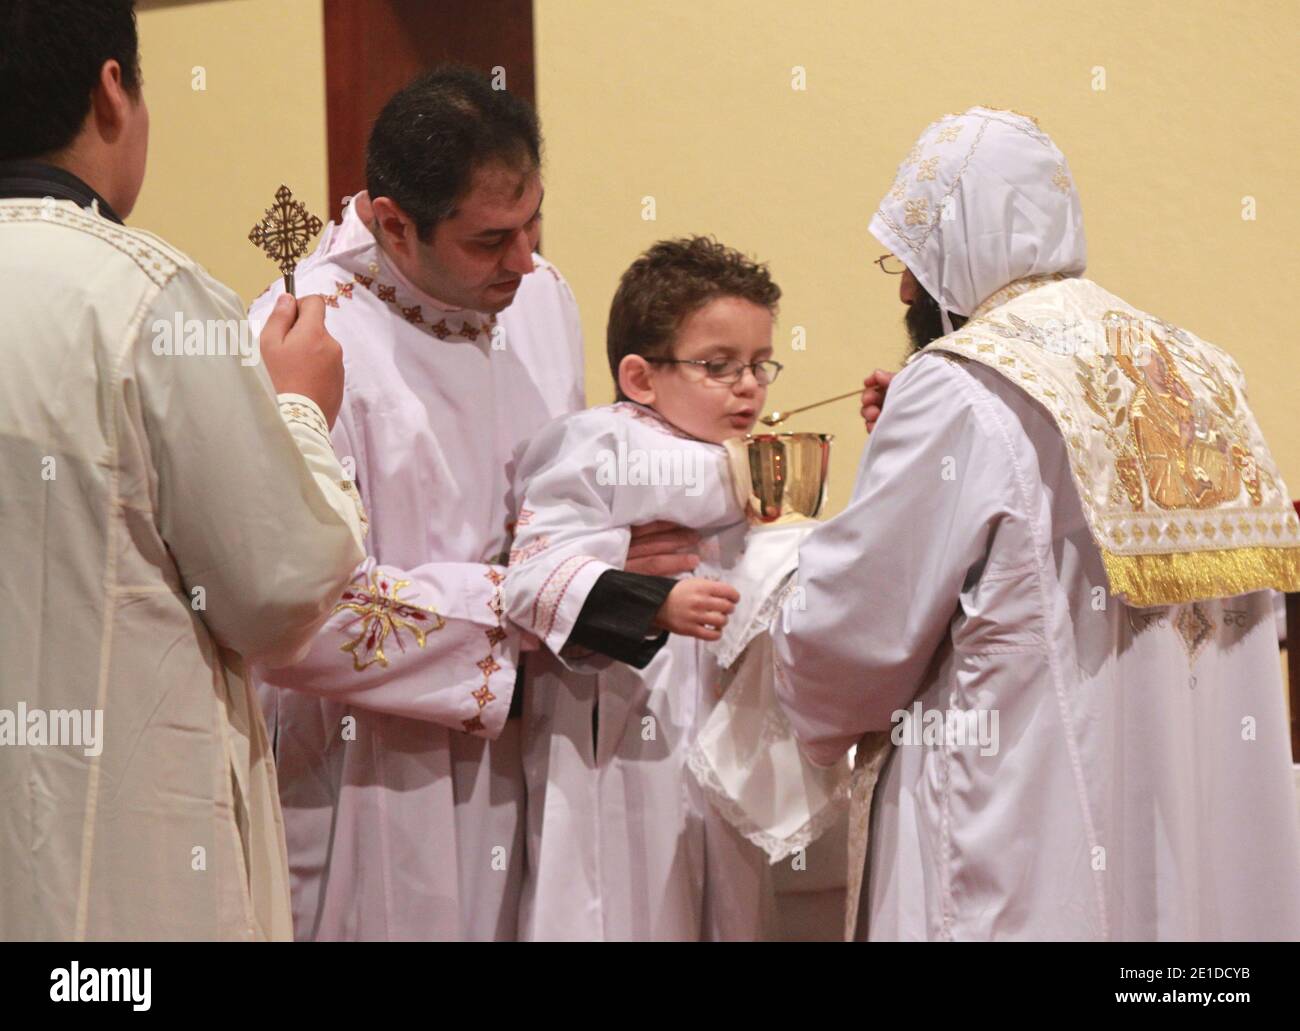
[(728, 370), (890, 265)]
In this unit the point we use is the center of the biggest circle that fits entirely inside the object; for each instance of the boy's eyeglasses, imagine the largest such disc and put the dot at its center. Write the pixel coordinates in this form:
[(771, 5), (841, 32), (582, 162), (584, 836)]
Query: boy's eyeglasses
[(890, 265), (728, 370)]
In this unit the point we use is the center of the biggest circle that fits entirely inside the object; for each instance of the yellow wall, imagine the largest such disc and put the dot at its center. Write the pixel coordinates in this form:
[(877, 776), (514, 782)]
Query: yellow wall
[(691, 103), (217, 156)]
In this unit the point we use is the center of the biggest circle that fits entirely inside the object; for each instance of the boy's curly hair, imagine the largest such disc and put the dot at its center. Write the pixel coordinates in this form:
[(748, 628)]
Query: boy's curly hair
[(670, 281)]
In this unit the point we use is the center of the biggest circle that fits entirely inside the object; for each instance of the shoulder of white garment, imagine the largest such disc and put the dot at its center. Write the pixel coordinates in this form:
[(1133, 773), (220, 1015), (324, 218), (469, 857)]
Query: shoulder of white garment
[(546, 270), (590, 427), (167, 266), (929, 370), (947, 384), (544, 290), (938, 397)]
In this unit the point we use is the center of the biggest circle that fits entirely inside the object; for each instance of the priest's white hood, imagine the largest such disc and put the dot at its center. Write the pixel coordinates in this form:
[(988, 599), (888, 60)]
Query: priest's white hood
[(984, 198)]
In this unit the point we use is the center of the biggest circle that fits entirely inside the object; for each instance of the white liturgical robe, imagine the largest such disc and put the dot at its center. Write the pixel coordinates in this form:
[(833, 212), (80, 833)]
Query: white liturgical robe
[(1048, 590), (399, 773), (1136, 783), (622, 846), (160, 528)]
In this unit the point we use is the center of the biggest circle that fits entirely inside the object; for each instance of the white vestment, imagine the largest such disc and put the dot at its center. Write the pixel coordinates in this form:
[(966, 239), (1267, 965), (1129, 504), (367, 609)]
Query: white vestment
[(399, 773), (1126, 799), (1034, 476), (160, 528), (621, 844), (745, 757)]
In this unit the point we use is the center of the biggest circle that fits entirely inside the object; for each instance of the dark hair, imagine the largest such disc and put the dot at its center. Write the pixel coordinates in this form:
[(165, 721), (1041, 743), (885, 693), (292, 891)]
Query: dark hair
[(51, 54), (432, 135), (925, 323), (670, 281)]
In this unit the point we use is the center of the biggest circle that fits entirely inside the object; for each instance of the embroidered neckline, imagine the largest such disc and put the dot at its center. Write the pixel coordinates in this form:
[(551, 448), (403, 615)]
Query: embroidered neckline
[(467, 325), (641, 413), (1014, 289)]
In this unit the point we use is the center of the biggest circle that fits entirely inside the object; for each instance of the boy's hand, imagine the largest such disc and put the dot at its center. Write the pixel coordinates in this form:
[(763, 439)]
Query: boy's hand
[(697, 608), (662, 549)]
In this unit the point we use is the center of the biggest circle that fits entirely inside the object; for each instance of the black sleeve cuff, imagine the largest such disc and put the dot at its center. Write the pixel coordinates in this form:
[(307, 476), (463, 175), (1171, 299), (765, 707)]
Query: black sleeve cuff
[(618, 616)]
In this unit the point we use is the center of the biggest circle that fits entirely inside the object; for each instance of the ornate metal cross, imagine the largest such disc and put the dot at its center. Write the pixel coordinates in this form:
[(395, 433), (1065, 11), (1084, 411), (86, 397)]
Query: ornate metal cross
[(284, 233)]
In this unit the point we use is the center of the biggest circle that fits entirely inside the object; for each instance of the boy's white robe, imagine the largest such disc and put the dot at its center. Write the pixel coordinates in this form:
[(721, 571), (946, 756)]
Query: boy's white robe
[(622, 845), (400, 775)]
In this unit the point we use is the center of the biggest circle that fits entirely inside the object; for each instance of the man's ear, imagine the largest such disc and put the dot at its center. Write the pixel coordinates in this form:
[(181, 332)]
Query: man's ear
[(636, 380), (396, 225), (109, 102)]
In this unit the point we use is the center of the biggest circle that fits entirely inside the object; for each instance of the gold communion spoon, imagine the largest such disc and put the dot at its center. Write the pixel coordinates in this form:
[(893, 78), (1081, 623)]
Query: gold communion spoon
[(778, 417)]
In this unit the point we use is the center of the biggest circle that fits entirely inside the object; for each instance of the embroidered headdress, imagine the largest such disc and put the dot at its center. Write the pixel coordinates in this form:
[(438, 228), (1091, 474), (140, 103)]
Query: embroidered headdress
[(1176, 480)]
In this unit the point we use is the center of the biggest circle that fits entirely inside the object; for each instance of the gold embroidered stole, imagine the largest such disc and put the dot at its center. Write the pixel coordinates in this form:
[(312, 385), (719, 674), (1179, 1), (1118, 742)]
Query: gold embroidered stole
[(1178, 486)]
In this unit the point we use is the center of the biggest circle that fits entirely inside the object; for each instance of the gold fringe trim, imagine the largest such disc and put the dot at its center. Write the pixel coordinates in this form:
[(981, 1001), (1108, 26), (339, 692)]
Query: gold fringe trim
[(1147, 580)]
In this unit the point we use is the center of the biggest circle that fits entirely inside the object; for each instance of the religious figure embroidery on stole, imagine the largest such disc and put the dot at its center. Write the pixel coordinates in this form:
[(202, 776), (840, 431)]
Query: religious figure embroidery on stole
[(381, 614), (1170, 447)]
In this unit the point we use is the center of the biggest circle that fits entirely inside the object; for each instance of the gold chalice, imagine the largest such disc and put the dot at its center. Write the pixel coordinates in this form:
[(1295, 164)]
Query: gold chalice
[(780, 477)]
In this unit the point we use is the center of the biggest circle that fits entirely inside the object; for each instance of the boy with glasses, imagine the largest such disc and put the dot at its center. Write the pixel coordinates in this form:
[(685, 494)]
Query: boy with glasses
[(621, 844)]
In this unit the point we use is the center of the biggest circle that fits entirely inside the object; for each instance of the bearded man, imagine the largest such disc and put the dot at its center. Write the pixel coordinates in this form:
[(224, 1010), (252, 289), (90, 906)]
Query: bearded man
[(1043, 616)]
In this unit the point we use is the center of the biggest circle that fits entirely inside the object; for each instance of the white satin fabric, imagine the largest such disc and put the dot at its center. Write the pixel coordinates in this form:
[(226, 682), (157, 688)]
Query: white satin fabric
[(1140, 787), (983, 199), (162, 524), (621, 845), (401, 777)]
